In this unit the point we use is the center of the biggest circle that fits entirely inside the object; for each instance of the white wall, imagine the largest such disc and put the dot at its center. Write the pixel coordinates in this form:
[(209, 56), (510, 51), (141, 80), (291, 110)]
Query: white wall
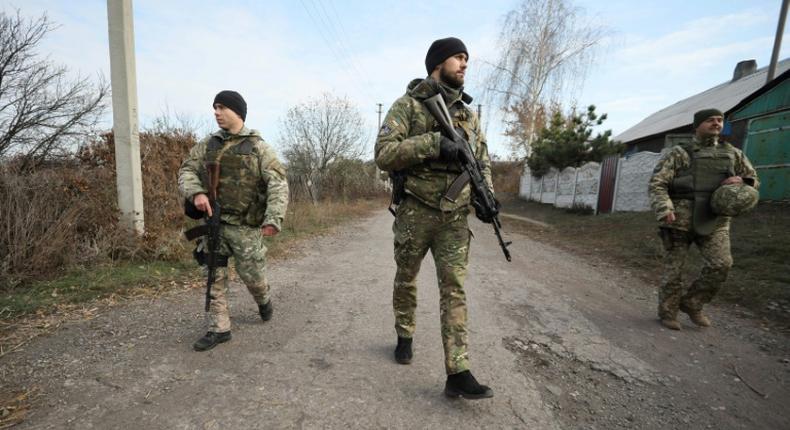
[(633, 174), (549, 187), (579, 186), (587, 185), (566, 188)]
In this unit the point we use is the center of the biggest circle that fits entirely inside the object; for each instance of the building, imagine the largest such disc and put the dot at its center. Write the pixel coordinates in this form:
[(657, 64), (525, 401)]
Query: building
[(763, 121), (661, 128)]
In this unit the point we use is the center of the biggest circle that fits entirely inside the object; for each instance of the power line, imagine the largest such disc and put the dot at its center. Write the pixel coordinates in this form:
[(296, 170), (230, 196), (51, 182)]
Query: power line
[(343, 41), (344, 32), (325, 30), (323, 35)]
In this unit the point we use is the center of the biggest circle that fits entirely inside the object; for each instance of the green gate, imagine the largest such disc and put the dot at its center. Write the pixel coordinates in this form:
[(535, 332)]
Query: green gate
[(767, 146)]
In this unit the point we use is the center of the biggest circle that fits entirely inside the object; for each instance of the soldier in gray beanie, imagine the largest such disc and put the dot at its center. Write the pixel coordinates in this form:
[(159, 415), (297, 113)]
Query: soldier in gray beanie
[(680, 193)]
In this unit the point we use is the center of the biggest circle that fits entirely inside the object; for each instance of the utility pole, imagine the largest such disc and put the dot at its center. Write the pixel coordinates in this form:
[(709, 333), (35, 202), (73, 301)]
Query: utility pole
[(124, 114), (780, 28), (480, 113), (378, 130)]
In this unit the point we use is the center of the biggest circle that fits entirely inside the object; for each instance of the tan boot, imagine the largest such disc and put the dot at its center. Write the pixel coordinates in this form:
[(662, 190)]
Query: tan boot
[(698, 318), (671, 324)]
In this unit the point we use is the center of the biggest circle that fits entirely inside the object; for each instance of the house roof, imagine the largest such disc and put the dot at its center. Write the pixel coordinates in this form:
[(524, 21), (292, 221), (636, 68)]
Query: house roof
[(723, 97)]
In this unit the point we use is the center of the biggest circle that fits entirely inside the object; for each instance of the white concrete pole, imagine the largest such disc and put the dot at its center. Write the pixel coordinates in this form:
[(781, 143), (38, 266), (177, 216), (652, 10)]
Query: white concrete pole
[(124, 113)]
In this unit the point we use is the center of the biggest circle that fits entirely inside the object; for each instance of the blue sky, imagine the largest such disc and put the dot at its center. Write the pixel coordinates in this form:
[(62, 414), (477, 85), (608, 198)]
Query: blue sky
[(277, 54)]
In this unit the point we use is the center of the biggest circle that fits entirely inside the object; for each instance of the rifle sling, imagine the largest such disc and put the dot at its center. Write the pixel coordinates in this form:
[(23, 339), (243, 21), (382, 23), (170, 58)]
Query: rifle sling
[(457, 186)]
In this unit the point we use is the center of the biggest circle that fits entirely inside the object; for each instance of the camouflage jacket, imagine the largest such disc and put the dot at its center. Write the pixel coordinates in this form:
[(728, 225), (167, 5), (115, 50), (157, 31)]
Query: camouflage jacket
[(409, 142), (675, 160), (259, 170)]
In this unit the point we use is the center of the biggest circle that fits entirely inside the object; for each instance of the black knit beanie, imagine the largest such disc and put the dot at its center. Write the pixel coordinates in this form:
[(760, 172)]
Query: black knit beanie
[(233, 101), (704, 114), (441, 50)]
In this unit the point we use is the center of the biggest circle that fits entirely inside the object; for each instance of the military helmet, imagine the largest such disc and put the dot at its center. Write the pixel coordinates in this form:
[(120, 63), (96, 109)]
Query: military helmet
[(734, 199)]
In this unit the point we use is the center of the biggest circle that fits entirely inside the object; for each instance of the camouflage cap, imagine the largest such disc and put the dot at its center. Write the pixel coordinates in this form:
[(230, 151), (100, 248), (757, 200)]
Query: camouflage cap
[(734, 199)]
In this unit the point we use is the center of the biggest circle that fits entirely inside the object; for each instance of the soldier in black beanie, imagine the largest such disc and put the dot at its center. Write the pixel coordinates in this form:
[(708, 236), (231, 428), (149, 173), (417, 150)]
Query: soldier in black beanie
[(233, 101), (251, 196), (425, 163), (443, 49)]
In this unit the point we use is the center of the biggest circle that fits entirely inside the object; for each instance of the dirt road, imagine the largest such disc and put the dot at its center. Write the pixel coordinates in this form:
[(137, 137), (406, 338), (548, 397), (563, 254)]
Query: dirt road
[(563, 342)]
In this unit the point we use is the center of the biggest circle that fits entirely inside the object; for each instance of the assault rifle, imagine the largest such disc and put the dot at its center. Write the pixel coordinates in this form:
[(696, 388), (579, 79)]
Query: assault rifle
[(210, 256), (483, 200)]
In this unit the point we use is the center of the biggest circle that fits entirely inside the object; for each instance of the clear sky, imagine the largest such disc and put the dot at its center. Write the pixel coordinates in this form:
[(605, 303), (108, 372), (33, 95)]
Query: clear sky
[(280, 53)]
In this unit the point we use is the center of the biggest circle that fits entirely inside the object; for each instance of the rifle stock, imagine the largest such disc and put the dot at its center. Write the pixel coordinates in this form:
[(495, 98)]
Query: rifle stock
[(483, 194)]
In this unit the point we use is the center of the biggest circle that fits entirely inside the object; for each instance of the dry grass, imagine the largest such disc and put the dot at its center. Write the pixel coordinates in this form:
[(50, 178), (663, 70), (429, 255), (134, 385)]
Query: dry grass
[(305, 220), (14, 407), (60, 237)]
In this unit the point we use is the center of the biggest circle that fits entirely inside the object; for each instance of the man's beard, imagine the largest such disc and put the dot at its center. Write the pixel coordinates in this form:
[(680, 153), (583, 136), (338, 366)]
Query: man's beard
[(450, 78)]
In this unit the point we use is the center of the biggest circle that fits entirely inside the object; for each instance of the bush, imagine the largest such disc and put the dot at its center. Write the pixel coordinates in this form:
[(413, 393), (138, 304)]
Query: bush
[(506, 176), (568, 141), (66, 213), (346, 179)]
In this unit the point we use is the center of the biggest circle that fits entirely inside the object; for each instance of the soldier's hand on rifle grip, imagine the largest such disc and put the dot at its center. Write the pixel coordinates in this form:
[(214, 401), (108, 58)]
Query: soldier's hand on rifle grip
[(670, 218), (202, 203), (450, 150), (269, 230)]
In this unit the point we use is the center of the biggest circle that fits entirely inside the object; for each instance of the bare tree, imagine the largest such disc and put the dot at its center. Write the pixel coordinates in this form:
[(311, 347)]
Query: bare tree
[(42, 111), (545, 50), (318, 133)]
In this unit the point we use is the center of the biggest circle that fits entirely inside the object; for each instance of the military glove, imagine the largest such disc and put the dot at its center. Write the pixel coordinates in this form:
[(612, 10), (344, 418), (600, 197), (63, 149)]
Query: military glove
[(484, 214), (450, 150)]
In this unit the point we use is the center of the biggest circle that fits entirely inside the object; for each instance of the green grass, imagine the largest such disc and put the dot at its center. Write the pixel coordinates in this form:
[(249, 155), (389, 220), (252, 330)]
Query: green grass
[(760, 276), (80, 285)]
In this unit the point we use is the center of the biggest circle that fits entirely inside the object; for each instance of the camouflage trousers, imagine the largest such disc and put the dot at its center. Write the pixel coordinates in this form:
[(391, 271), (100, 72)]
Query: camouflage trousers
[(245, 245), (715, 252), (417, 229)]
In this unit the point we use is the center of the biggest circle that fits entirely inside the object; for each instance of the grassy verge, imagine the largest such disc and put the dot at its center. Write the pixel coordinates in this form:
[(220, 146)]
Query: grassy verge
[(79, 285), (759, 280)]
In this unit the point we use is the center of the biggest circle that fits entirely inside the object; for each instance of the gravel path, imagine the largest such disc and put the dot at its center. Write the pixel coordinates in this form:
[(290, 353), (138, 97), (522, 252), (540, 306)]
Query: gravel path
[(564, 343)]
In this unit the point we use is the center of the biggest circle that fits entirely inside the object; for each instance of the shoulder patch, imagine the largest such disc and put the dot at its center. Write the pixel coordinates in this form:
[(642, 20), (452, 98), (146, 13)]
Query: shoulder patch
[(385, 130)]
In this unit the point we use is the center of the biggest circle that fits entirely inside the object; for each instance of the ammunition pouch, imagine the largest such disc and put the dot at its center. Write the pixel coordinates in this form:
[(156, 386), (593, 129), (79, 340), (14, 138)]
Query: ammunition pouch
[(257, 210)]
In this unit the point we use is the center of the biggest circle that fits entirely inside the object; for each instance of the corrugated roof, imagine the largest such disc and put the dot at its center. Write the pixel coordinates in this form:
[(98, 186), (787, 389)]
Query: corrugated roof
[(722, 97)]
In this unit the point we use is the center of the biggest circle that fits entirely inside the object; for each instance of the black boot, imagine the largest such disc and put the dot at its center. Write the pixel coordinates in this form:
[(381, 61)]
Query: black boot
[(403, 350), (266, 311), (465, 385), (210, 340)]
